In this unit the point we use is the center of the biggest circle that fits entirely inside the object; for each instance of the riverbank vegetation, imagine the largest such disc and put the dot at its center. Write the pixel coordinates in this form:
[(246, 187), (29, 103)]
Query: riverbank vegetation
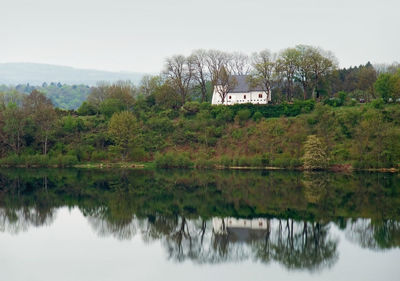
[(352, 115)]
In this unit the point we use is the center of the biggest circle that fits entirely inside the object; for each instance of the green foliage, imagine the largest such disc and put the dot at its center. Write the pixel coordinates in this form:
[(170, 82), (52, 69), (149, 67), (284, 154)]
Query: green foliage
[(190, 108), (173, 160), (315, 154), (206, 136), (243, 114), (257, 116), (39, 160), (87, 109), (378, 103), (122, 130), (385, 86), (111, 106)]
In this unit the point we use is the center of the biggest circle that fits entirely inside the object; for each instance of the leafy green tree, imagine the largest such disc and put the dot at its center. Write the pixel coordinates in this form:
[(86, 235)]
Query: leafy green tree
[(315, 154), (87, 109), (166, 97), (41, 110), (14, 121), (110, 106), (122, 130), (385, 86)]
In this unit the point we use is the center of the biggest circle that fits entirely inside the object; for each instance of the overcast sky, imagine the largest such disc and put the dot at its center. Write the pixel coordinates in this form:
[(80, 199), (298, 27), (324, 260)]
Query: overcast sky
[(129, 35)]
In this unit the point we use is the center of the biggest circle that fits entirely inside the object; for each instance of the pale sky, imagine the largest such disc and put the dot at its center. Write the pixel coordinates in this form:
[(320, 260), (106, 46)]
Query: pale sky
[(129, 35)]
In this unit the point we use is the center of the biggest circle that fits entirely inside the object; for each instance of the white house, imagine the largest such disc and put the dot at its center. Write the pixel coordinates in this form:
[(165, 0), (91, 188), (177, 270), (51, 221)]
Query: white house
[(242, 93)]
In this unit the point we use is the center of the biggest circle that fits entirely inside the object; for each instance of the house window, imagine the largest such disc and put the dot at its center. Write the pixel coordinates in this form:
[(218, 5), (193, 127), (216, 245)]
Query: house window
[(244, 96), (230, 97), (260, 95)]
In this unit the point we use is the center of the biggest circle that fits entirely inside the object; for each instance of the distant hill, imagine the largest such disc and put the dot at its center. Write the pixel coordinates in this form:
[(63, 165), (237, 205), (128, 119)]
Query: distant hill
[(36, 74)]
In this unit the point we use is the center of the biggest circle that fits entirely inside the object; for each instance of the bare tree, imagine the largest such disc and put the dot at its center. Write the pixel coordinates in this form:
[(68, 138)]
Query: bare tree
[(287, 65), (304, 67), (149, 84), (239, 63), (264, 70), (216, 60), (226, 83), (198, 58), (218, 67), (322, 64), (98, 94), (179, 71)]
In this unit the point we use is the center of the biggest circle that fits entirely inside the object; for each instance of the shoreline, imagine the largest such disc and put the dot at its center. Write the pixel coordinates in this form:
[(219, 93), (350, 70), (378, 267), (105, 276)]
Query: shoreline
[(152, 166)]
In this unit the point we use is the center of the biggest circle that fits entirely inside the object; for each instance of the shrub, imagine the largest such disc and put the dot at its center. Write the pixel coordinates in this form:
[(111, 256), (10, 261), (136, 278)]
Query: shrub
[(190, 108), (137, 154), (98, 155), (203, 163), (315, 155), (173, 160), (223, 113), (225, 161), (282, 162), (243, 114), (265, 159), (257, 116), (378, 103)]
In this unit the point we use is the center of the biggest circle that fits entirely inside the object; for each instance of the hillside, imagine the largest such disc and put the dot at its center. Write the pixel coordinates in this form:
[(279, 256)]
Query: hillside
[(36, 74), (360, 136)]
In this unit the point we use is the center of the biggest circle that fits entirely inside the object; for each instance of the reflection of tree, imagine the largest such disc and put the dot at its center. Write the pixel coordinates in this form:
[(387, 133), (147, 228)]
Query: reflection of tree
[(119, 229), (314, 186), (17, 220), (296, 245), (374, 235), (116, 219), (299, 245)]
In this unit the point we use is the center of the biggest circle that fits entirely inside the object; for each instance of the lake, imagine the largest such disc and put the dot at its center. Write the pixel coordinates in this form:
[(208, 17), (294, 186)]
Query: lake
[(77, 224)]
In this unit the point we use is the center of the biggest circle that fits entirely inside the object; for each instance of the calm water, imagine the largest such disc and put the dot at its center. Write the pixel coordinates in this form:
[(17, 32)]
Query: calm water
[(193, 225)]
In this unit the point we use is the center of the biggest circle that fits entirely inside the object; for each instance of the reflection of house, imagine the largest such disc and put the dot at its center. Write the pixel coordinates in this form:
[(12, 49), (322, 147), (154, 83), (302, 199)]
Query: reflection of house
[(241, 229), (243, 92)]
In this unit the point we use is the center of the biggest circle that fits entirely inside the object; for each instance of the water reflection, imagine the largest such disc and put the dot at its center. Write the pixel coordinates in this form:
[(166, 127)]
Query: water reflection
[(378, 235), (19, 220), (215, 217)]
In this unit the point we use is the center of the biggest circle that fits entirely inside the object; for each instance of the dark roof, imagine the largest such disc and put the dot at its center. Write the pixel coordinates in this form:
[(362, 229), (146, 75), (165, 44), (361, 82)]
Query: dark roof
[(243, 85), (245, 234)]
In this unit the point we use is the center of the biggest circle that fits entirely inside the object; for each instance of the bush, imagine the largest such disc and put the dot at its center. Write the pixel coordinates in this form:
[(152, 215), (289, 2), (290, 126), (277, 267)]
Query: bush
[(378, 103), (257, 116), (190, 108), (203, 163), (283, 162), (243, 114), (223, 113), (173, 160), (98, 155), (87, 109), (137, 154), (225, 161), (315, 155)]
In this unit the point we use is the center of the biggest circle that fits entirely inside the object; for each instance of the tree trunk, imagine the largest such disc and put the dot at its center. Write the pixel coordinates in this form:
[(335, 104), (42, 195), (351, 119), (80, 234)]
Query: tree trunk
[(203, 92), (45, 144)]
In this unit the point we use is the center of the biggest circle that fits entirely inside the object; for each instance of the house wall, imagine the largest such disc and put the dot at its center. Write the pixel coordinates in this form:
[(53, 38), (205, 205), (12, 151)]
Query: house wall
[(221, 224), (235, 98)]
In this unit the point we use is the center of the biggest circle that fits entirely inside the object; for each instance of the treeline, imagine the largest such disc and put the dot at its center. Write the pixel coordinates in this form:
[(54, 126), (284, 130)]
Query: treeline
[(61, 95), (300, 72)]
